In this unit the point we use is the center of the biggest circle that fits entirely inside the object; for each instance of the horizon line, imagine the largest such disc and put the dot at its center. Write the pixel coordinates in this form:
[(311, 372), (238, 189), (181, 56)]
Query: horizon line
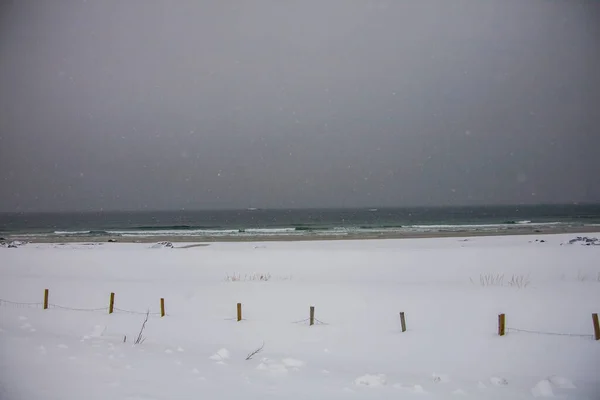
[(295, 208)]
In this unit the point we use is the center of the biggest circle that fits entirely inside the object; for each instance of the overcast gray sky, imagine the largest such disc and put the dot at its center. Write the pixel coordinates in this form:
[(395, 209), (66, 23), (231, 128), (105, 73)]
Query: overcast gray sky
[(139, 104)]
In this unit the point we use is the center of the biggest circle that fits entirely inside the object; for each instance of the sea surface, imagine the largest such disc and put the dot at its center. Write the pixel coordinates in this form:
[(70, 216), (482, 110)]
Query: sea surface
[(297, 222)]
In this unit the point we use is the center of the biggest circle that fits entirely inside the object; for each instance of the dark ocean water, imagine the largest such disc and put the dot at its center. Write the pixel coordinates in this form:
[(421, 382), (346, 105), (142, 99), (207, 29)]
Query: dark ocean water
[(297, 221)]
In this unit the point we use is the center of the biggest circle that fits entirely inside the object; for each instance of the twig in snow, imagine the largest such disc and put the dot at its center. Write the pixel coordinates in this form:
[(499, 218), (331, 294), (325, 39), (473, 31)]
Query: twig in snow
[(140, 339), (255, 352)]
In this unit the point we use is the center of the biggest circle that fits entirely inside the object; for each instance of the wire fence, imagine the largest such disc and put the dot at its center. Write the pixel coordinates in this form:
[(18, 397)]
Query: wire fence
[(8, 303), (40, 305), (549, 333), (16, 304)]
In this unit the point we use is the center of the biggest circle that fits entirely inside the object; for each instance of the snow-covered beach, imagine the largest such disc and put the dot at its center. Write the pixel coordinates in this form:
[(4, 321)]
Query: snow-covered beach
[(450, 289)]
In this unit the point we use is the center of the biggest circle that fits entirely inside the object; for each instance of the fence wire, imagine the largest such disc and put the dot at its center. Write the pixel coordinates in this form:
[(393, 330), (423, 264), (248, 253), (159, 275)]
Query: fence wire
[(16, 304), (301, 321), (135, 312), (549, 333), (77, 309), (317, 322)]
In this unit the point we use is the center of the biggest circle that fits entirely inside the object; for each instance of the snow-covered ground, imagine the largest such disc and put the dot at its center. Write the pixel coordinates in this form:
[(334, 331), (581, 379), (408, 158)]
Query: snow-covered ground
[(357, 351)]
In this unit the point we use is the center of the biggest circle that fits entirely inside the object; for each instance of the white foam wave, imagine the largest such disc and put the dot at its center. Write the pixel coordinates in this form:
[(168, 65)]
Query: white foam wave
[(290, 231), (456, 226), (271, 230), (478, 226), (209, 232), (175, 232)]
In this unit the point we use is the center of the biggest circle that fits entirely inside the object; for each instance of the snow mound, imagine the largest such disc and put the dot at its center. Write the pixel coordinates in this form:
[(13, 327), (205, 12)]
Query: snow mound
[(543, 389), (162, 245), (418, 389), (292, 363), (12, 244), (272, 368), (371, 380), (561, 382), (222, 354), (585, 241), (96, 333)]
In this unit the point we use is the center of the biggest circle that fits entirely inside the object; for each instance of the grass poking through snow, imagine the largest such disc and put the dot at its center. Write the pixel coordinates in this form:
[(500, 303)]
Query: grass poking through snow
[(489, 279)]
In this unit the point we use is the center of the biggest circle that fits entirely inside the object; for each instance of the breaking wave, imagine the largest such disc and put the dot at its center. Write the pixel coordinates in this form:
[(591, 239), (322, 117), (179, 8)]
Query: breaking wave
[(296, 230), (81, 233)]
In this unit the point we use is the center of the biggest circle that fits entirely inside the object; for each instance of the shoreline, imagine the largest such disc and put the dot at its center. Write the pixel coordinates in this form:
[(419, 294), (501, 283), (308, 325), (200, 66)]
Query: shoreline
[(546, 230)]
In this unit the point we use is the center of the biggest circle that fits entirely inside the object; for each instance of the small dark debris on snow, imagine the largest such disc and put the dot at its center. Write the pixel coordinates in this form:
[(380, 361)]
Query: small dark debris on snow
[(112, 240)]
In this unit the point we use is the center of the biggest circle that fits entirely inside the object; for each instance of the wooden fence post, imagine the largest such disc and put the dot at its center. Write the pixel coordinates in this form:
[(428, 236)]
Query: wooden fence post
[(596, 326), (402, 321), (501, 324), (239, 312), (111, 305), (46, 292), (162, 307), (312, 315)]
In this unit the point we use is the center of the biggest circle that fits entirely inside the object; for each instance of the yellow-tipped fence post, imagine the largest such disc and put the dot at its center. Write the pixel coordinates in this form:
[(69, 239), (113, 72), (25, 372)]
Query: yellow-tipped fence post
[(162, 307), (111, 305), (239, 312), (596, 326), (46, 293), (402, 321), (501, 324), (312, 315)]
